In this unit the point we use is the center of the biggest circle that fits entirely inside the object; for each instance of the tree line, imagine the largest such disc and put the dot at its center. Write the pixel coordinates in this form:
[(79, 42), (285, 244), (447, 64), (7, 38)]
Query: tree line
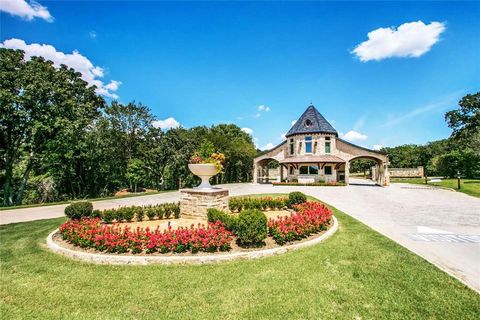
[(59, 140)]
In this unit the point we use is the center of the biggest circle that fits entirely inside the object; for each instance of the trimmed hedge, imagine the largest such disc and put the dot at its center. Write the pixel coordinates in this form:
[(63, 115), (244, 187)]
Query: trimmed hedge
[(251, 227), (295, 198), (78, 210), (153, 212), (312, 184), (229, 220), (237, 204)]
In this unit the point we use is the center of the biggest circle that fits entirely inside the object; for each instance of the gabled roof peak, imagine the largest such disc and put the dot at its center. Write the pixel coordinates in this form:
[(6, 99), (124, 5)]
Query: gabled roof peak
[(311, 121)]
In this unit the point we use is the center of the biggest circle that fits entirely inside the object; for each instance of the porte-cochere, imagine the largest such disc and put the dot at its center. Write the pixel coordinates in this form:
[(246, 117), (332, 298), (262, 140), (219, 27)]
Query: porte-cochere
[(313, 152)]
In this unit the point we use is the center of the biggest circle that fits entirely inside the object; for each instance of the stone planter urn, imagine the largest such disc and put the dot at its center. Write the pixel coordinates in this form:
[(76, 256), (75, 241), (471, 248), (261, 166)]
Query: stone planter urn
[(204, 171)]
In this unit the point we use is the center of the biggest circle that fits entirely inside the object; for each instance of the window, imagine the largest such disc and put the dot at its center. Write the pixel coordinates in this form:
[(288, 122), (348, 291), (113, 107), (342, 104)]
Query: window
[(308, 123), (292, 146), (291, 170), (308, 170), (327, 147), (308, 144), (313, 170), (328, 170)]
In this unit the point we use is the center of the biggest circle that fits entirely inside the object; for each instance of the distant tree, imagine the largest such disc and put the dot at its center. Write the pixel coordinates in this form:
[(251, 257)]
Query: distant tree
[(465, 121), (135, 173)]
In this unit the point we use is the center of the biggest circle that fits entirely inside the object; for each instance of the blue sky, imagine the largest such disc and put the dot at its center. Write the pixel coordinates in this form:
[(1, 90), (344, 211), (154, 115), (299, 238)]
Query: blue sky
[(220, 62)]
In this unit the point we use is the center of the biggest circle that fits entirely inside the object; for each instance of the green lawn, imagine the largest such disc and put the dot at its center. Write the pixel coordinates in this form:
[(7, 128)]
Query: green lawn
[(88, 199), (356, 274), (468, 186)]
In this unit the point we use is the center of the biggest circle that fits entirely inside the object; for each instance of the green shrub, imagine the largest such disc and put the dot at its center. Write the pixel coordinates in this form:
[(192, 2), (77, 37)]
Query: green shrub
[(139, 213), (128, 213), (229, 220), (295, 198), (251, 227), (96, 213), (108, 215), (152, 213), (176, 210), (80, 209)]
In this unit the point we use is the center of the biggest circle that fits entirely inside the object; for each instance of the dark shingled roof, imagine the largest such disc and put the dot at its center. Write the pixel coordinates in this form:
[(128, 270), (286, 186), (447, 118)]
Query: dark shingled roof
[(316, 124)]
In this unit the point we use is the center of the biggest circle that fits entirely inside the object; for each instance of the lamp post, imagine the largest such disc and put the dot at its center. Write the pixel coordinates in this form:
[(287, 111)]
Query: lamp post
[(458, 179)]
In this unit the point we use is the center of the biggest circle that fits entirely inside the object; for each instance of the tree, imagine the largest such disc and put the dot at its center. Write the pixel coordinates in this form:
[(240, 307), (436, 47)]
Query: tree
[(465, 121), (135, 172), (42, 108)]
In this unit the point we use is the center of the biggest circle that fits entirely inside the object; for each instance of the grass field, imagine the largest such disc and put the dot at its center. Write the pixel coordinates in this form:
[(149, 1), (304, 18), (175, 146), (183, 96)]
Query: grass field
[(356, 274), (468, 186), (88, 199)]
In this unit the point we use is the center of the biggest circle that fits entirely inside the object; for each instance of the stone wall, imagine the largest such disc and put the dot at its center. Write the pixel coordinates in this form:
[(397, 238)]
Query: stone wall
[(417, 172), (196, 202)]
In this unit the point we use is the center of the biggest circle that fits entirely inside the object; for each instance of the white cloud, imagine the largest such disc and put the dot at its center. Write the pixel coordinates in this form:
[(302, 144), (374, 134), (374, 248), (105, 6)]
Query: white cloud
[(283, 136), (169, 123), (257, 115), (247, 130), (377, 147), (411, 39), (263, 108), (268, 146), (26, 10), (354, 136), (92, 34), (80, 63)]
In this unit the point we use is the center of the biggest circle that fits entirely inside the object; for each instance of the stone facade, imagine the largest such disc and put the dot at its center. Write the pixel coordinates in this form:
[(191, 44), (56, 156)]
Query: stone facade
[(313, 152), (196, 202)]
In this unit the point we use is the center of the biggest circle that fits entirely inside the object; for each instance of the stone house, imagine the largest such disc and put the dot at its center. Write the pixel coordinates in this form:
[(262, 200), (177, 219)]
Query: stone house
[(313, 152)]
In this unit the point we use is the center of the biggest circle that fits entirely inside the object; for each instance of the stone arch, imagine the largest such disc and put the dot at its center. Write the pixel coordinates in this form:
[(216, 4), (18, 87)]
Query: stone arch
[(260, 163), (352, 152)]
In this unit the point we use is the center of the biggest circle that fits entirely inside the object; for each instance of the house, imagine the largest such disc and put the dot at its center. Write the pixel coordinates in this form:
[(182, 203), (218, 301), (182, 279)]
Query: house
[(313, 152)]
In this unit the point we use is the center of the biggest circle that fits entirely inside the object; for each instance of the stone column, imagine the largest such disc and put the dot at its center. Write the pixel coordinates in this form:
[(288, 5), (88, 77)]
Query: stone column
[(347, 173), (255, 172)]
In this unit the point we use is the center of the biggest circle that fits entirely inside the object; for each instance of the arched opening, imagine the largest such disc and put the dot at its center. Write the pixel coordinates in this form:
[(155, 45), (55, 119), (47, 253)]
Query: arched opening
[(269, 170), (368, 170)]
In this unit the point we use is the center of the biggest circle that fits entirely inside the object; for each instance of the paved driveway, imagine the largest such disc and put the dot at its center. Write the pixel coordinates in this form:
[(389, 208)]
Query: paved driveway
[(440, 225)]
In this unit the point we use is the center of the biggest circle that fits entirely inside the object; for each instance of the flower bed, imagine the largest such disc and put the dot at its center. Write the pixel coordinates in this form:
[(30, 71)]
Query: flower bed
[(310, 218), (91, 233), (312, 184)]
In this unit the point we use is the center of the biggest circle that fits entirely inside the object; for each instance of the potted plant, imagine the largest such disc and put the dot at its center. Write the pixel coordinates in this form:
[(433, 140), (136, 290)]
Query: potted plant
[(205, 163)]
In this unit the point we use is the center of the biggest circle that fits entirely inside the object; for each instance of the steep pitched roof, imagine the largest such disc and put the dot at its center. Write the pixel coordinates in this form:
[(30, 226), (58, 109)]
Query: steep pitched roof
[(311, 121)]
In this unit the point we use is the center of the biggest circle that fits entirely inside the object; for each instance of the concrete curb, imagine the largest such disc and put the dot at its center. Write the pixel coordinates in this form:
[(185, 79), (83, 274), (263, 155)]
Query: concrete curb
[(99, 258)]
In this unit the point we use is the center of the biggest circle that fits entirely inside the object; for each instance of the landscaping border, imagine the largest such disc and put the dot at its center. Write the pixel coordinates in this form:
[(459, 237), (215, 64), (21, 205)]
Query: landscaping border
[(100, 258)]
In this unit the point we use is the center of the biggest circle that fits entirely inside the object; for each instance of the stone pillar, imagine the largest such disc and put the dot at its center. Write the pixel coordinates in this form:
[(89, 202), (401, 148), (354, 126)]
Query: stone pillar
[(255, 172), (347, 173), (196, 202)]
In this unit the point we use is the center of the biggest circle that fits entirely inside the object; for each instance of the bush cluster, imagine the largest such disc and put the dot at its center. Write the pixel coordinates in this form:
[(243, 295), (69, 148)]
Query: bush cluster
[(229, 220), (160, 211), (295, 198), (251, 227), (237, 204), (78, 210)]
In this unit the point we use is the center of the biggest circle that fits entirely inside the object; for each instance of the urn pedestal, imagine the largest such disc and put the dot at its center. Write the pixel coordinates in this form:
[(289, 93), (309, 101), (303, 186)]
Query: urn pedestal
[(196, 202)]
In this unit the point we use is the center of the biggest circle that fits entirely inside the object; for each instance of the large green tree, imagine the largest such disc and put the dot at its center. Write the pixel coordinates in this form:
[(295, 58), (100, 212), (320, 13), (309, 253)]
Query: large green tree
[(43, 108)]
